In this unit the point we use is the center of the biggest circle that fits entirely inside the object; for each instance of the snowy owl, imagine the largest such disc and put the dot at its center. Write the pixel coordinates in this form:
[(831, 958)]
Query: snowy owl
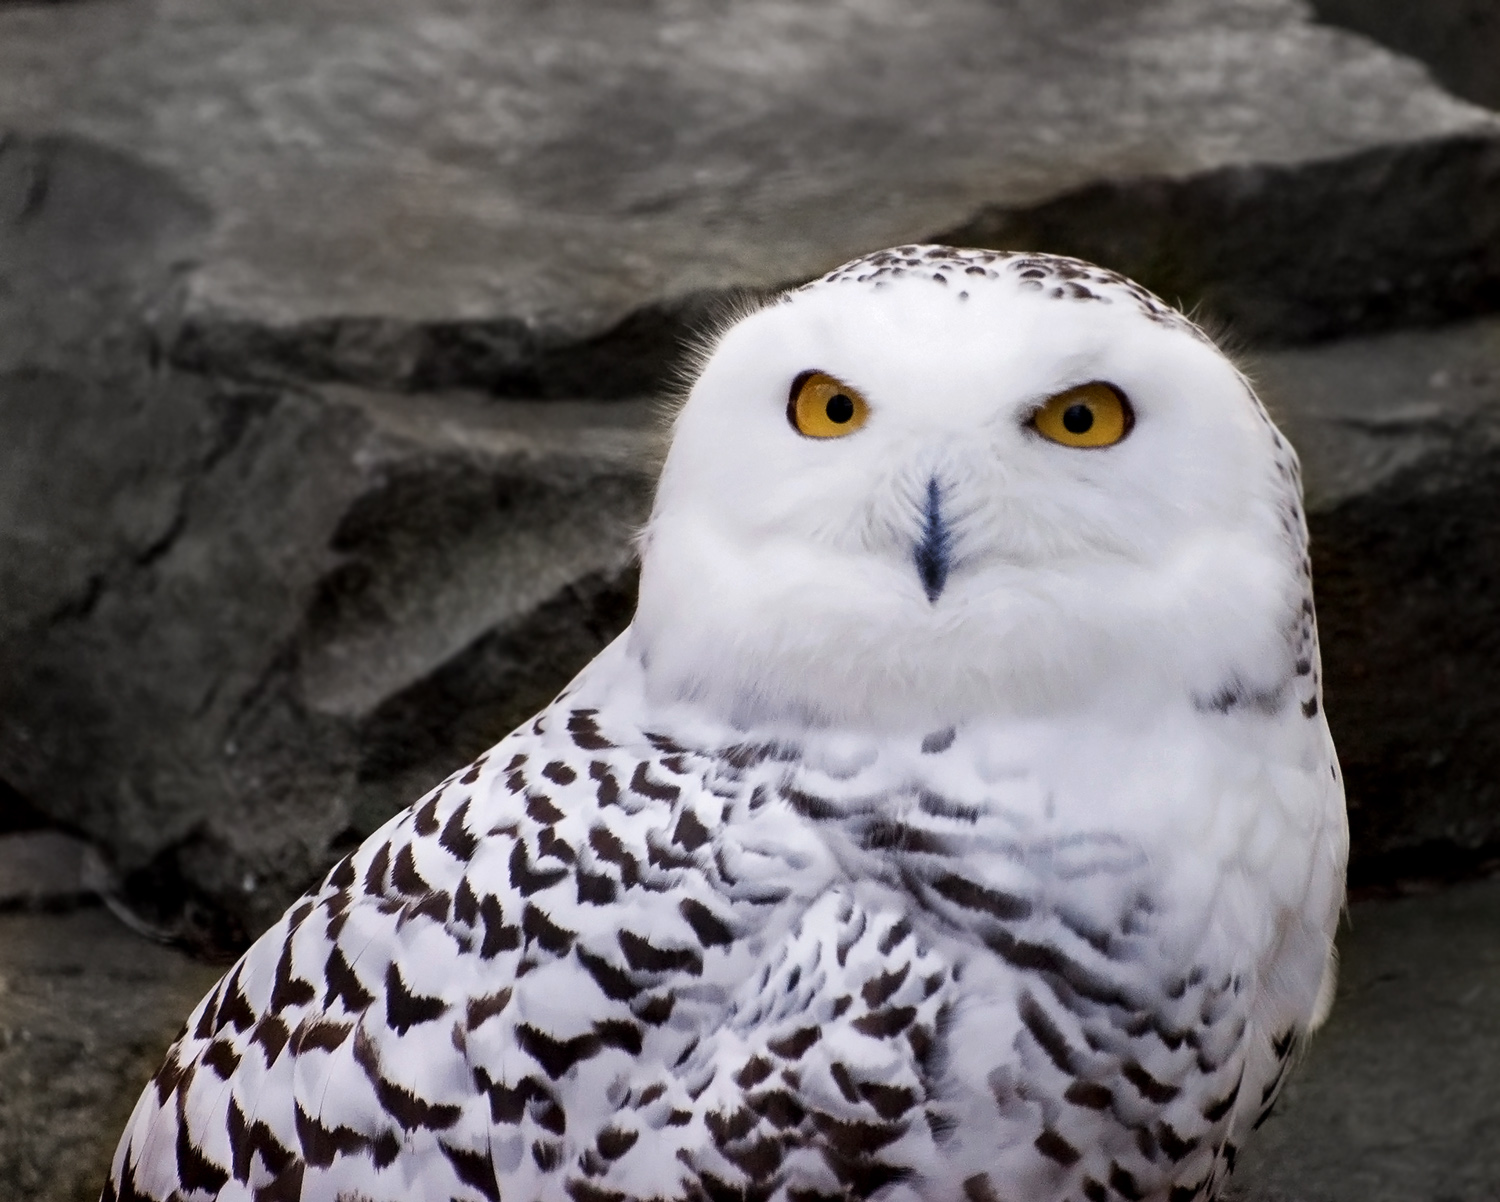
[(957, 819)]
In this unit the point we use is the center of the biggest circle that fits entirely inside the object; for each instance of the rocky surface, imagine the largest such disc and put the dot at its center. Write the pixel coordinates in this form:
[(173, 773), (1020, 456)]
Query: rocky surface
[(324, 327), (1396, 1101), (86, 1013), (1459, 40), (1393, 1104), (1400, 442), (529, 198)]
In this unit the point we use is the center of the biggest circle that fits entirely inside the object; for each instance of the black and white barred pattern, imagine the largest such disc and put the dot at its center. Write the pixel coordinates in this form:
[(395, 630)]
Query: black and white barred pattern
[(602, 964)]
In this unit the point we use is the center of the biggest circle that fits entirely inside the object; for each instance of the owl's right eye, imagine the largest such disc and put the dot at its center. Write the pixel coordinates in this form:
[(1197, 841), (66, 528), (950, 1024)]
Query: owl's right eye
[(821, 406)]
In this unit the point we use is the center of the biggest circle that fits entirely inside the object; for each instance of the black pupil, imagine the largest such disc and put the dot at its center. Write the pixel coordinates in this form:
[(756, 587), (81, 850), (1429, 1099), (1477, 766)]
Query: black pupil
[(1077, 419), (840, 409)]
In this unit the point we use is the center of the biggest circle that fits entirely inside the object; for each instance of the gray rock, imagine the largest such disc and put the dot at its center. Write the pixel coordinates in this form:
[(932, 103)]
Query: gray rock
[(530, 198), (87, 1010), (1459, 40), (45, 869), (1400, 442), (1396, 1101), (355, 594)]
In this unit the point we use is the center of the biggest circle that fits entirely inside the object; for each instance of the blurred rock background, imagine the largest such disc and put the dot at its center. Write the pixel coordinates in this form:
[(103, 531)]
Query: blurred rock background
[(330, 334)]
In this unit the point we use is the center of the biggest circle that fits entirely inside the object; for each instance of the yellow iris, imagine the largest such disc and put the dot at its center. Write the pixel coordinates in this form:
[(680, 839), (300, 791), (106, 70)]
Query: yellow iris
[(824, 407), (1091, 415)]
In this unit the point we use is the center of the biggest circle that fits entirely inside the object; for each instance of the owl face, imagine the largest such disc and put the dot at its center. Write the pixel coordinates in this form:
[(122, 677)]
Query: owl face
[(937, 494)]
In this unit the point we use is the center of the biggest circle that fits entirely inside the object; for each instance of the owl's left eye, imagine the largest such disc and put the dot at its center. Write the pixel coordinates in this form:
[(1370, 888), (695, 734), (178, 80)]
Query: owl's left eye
[(1091, 415), (822, 406)]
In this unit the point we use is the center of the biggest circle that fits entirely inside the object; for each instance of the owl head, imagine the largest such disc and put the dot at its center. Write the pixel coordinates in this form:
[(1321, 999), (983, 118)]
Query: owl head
[(938, 485)]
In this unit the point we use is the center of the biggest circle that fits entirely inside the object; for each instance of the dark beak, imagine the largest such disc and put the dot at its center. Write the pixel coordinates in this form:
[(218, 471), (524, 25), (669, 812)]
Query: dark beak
[(934, 550)]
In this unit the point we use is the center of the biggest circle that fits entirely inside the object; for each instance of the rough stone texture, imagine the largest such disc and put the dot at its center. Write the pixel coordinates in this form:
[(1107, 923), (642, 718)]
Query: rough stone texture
[(44, 868), (528, 198), (1400, 442), (86, 1013), (355, 593), (1459, 40), (1395, 1102)]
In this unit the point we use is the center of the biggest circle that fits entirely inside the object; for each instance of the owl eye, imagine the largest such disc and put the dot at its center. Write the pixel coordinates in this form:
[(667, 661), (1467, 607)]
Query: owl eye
[(1091, 415), (821, 406)]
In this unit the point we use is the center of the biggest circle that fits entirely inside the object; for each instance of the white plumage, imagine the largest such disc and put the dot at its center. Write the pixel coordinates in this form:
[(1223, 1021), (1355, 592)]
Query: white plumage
[(956, 820)]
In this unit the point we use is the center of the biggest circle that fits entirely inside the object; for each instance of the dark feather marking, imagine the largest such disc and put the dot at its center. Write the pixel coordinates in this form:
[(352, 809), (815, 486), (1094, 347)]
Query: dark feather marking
[(608, 791), (497, 936), (894, 937), (482, 1009), (286, 1186), (1089, 1094), (508, 1102), (319, 1035), (424, 821), (342, 875), (885, 1024), (878, 990), (1148, 1086), (845, 1081), (978, 1189), (754, 1071), (540, 809), (795, 1045), (596, 890), (234, 1008), (170, 1073), (434, 906), (1049, 1036), (656, 1010), (465, 903), (540, 929), (690, 832), (404, 1009), (405, 876), (619, 1033), (644, 956), (524, 879), (891, 1102), (322, 1145), (779, 1108), (585, 731), (549, 844), (1214, 1111), (1124, 1184), (963, 892), (289, 990), (556, 1056), (614, 1142), (458, 839), (1173, 1144), (608, 848), (641, 782), (473, 1169), (344, 984), (220, 1056), (1053, 1146), (271, 1034), (375, 874), (711, 930), (615, 983)]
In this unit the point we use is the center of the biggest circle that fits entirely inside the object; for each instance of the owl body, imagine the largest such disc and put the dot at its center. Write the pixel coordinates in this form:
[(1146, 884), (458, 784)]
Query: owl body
[(924, 837)]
